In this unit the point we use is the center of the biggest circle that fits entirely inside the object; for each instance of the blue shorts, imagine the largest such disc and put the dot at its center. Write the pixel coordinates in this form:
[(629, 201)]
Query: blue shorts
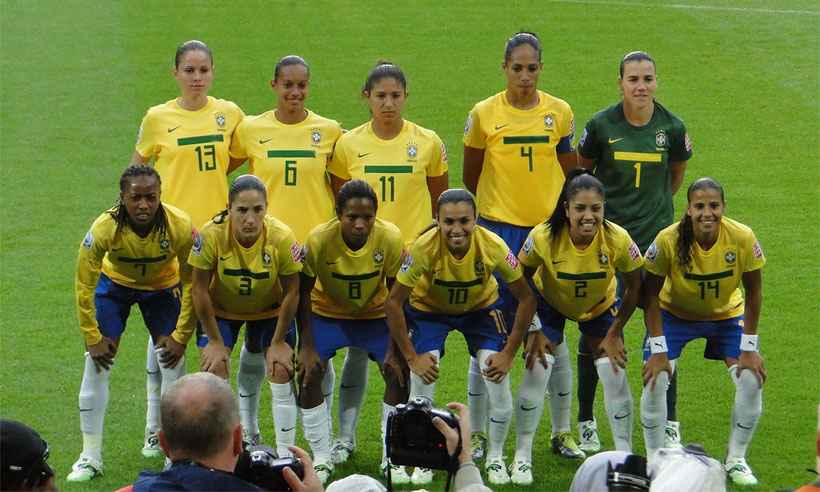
[(483, 329), (259, 332), (514, 236), (552, 322), (722, 337), (159, 308), (331, 334)]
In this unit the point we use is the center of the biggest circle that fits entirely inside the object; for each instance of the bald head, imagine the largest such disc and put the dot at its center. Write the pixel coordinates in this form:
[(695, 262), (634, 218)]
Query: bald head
[(198, 414)]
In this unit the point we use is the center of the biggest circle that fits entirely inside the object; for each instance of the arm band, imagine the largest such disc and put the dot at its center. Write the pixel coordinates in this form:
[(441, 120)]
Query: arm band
[(748, 343), (657, 345)]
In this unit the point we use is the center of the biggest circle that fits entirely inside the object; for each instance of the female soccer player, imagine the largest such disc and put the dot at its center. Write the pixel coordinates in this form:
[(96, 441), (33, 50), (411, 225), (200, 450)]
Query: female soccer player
[(245, 272), (407, 166), (187, 138), (517, 149), (134, 253), (572, 259), (349, 264), (288, 148), (694, 272), (639, 150), (448, 277)]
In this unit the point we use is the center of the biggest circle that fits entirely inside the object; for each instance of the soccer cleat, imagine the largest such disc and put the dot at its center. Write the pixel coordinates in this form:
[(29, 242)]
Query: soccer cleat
[(521, 473), (740, 473), (421, 476), (564, 445), (323, 471), (672, 435), (85, 469), (398, 474), (496, 471), (478, 441), (340, 451), (251, 440), (150, 448), (589, 441)]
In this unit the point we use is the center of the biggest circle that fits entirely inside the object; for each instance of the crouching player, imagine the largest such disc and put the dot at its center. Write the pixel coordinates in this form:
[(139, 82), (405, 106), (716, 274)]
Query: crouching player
[(695, 269), (349, 264), (134, 253)]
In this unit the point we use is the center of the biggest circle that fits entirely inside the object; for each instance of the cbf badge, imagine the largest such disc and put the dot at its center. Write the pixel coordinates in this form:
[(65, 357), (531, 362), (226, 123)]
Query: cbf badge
[(730, 257), (603, 259), (266, 258), (378, 256), (660, 138), (479, 268), (164, 244), (549, 122), (220, 120), (412, 151), (315, 136)]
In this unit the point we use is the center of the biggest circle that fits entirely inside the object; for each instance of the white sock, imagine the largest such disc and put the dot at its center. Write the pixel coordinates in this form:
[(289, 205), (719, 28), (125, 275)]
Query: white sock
[(351, 392), (284, 417), (618, 403), (417, 386), (500, 409), (745, 413), (328, 384), (560, 390), (93, 404), (387, 409), (153, 385), (314, 421), (476, 397), (530, 406), (169, 375), (653, 414), (249, 385)]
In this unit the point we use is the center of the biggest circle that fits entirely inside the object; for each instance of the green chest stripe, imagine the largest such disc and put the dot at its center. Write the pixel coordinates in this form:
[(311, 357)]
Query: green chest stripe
[(244, 272), (580, 276), (710, 276), (155, 259), (363, 276), (388, 169), (199, 140), (526, 139), (291, 153), (456, 283)]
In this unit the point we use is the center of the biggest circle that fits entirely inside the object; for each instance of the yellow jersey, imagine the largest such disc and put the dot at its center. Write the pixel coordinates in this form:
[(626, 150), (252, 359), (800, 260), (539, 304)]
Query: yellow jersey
[(351, 284), (191, 152), (397, 169), (444, 284), (580, 284), (143, 263), (521, 177), (245, 281), (710, 289), (292, 162)]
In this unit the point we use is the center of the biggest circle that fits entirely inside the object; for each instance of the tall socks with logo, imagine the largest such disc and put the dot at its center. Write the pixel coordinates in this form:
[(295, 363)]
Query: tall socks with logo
[(618, 403), (746, 411), (284, 417), (249, 385), (653, 413), (476, 397), (560, 390), (153, 387), (351, 392), (530, 406), (93, 404), (500, 409)]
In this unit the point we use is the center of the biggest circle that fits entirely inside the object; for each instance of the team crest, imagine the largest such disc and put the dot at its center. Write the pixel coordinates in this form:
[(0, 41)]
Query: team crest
[(603, 259), (652, 253), (88, 240), (296, 252), (164, 244), (220, 120), (266, 258), (316, 136), (412, 151), (197, 247), (634, 251), (479, 267), (730, 257), (528, 246), (511, 260), (407, 263), (757, 250), (378, 256), (660, 138), (549, 121)]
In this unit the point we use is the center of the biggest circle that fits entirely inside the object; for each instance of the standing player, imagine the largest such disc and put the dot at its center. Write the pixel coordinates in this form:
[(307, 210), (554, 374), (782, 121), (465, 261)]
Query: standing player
[(245, 272), (449, 278), (134, 253), (639, 150), (349, 264), (694, 272), (288, 148), (188, 139), (407, 166), (573, 259), (517, 149)]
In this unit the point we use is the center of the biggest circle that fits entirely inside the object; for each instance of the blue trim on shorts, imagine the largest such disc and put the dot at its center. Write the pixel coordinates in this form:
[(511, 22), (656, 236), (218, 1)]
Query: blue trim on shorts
[(331, 334), (258, 333), (552, 321), (159, 308), (481, 328), (722, 336)]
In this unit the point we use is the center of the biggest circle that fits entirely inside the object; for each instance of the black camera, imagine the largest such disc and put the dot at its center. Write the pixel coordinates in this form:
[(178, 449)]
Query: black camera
[(413, 440), (630, 476), (261, 466)]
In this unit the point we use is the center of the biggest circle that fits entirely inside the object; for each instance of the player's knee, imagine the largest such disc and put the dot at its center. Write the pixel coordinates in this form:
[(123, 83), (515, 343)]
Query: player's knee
[(661, 384), (280, 375), (747, 381)]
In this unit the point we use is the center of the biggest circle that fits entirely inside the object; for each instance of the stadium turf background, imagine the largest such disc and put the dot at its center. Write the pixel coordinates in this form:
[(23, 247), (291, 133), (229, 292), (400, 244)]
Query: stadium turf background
[(77, 78)]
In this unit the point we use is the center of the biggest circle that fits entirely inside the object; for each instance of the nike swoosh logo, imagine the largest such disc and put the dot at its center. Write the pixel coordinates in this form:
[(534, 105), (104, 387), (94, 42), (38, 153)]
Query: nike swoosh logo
[(348, 386), (555, 262), (246, 396), (86, 409), (498, 127), (527, 409), (497, 421), (152, 372), (614, 140), (364, 155), (738, 424), (170, 130), (330, 263), (223, 258), (658, 344), (115, 249), (621, 417), (287, 430), (563, 394), (474, 394), (648, 427), (265, 141)]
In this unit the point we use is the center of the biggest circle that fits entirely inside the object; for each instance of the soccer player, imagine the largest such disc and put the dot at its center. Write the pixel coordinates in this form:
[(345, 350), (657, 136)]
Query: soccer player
[(288, 148), (517, 149), (187, 138), (134, 253), (694, 272), (573, 259), (448, 277), (407, 167), (349, 264), (638, 149), (246, 267)]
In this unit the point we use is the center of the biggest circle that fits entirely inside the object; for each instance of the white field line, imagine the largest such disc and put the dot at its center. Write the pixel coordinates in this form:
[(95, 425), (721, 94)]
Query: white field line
[(682, 6)]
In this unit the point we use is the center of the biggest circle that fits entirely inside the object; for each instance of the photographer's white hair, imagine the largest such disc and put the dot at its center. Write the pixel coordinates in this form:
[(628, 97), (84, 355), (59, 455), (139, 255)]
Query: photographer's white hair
[(591, 475), (356, 483), (676, 470)]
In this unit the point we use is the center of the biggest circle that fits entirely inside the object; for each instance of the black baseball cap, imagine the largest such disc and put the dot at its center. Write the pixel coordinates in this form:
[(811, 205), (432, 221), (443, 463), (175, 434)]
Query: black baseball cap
[(23, 455)]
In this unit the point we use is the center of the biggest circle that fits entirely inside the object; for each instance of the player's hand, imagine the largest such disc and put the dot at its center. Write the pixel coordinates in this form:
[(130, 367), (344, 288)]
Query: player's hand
[(613, 347), (103, 353), (394, 363), (425, 366), (537, 348), (498, 365), (214, 359), (280, 361), (752, 361), (656, 364), (309, 364), (171, 351), (310, 483)]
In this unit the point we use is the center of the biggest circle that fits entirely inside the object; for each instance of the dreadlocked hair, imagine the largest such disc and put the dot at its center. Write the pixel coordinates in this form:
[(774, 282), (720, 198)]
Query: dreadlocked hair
[(577, 180), (120, 213), (686, 232)]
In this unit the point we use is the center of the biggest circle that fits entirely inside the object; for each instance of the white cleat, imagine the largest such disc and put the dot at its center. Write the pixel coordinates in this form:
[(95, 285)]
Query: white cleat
[(150, 448), (341, 451), (588, 441), (496, 471), (323, 471), (521, 473), (672, 435), (85, 469), (421, 476), (740, 473), (398, 474)]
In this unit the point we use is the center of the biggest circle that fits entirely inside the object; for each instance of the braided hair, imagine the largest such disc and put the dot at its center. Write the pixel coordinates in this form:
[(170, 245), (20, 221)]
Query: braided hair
[(686, 232), (120, 212)]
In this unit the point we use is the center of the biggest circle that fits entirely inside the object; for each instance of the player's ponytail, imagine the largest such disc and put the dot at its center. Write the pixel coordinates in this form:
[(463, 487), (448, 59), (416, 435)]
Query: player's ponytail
[(577, 180), (686, 232), (120, 213), (384, 70)]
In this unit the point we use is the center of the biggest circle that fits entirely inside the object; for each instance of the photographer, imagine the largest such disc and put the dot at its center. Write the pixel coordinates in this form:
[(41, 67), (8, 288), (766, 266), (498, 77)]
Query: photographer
[(468, 477), (23, 456)]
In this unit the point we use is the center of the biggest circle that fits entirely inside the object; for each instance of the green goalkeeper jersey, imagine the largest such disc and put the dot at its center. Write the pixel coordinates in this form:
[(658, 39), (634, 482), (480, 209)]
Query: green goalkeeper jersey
[(633, 164)]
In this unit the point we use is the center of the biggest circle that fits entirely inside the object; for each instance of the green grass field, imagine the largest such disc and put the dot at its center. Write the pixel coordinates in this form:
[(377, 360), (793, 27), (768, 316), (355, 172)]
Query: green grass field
[(77, 78)]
